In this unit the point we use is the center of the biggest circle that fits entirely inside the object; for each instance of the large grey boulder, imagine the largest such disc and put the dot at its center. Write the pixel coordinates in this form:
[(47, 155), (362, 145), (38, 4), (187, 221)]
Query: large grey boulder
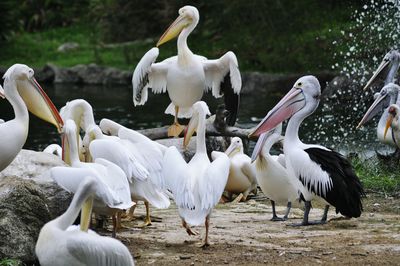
[(28, 200)]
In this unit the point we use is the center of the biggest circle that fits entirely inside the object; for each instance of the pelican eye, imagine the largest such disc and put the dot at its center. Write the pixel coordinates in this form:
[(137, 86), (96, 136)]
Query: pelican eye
[(299, 84)]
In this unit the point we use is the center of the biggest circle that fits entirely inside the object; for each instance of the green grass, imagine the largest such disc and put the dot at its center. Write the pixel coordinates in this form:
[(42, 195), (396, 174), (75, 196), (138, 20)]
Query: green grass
[(10, 262), (302, 52), (378, 176)]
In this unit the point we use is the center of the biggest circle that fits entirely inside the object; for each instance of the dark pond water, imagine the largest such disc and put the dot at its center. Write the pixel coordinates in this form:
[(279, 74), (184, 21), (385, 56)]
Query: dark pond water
[(333, 124)]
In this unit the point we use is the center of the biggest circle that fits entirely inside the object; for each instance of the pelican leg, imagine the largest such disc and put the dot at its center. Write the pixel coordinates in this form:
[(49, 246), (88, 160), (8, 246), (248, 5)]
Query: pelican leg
[(289, 206), (275, 218), (189, 230), (238, 198), (131, 217), (325, 215), (147, 220), (119, 221), (114, 220), (305, 222), (175, 129), (205, 242)]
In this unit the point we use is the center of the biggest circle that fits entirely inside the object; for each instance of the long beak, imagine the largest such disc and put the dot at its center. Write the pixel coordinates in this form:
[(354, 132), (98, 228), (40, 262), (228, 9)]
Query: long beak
[(2, 95), (173, 30), (190, 129), (65, 149), (39, 103), (388, 123), (259, 145), (383, 66), (292, 102), (86, 214), (231, 149), (380, 103)]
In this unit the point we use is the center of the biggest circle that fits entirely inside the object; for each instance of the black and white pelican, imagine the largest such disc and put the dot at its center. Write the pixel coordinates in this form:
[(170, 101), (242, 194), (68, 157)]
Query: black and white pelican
[(61, 243), (387, 71), (110, 176), (24, 93), (187, 75), (197, 186), (387, 96), (272, 176), (392, 122), (242, 175), (322, 172), (141, 161)]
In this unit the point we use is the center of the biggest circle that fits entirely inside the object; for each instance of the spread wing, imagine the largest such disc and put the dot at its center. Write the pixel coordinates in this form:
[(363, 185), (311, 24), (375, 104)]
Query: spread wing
[(148, 74), (92, 249), (177, 177), (212, 184), (216, 72)]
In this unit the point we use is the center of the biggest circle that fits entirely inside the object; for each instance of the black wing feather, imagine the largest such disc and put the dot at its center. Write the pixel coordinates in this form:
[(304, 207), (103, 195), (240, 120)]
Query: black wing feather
[(143, 82), (231, 100), (346, 191)]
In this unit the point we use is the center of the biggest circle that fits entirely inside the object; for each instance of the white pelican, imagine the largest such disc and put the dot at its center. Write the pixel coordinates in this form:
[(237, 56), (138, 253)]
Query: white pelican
[(110, 175), (393, 123), (81, 112), (24, 93), (322, 172), (388, 95), (242, 175), (272, 176), (138, 160), (198, 185), (60, 243), (54, 149), (387, 71), (187, 75)]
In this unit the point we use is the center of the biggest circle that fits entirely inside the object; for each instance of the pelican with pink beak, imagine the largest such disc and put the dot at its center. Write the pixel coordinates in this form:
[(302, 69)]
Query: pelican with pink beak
[(24, 93), (321, 171)]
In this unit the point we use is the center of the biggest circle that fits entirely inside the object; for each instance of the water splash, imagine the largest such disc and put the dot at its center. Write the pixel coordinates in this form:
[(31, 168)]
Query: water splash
[(374, 30)]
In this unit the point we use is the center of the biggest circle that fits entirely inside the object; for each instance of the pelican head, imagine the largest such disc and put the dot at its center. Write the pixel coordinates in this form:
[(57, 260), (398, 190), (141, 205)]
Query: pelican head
[(382, 99), (387, 68), (393, 118), (235, 147), (35, 98), (200, 112), (304, 96), (188, 18), (272, 136)]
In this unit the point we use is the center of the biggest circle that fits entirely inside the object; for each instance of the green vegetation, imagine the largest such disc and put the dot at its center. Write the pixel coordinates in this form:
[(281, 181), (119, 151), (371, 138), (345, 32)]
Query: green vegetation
[(272, 36), (10, 262), (376, 176)]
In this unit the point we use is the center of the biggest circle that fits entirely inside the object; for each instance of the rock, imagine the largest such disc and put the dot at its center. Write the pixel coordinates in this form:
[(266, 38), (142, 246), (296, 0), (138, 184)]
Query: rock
[(68, 46), (45, 74), (28, 200)]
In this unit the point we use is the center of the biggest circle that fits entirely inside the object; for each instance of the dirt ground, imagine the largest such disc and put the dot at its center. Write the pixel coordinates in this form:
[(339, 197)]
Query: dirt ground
[(242, 234)]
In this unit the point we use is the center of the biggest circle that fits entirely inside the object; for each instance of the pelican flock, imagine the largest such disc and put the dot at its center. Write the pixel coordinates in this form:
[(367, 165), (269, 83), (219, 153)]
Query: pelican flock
[(110, 167)]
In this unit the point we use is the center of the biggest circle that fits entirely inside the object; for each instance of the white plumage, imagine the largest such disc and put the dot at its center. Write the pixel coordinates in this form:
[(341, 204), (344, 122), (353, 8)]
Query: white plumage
[(242, 175), (198, 185), (185, 76), (61, 243)]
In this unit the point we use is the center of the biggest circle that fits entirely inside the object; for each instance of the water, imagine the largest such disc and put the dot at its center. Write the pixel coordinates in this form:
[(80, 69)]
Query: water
[(326, 126)]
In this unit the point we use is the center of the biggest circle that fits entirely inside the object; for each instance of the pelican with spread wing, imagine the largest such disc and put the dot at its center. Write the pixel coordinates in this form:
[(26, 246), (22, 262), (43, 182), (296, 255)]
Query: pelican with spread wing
[(186, 76)]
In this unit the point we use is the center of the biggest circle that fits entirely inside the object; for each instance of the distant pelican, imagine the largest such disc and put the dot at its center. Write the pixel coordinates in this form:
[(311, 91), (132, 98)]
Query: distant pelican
[(198, 185), (24, 93), (112, 178), (187, 75), (242, 175), (272, 176), (61, 243), (322, 172), (388, 95), (393, 123), (387, 71)]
